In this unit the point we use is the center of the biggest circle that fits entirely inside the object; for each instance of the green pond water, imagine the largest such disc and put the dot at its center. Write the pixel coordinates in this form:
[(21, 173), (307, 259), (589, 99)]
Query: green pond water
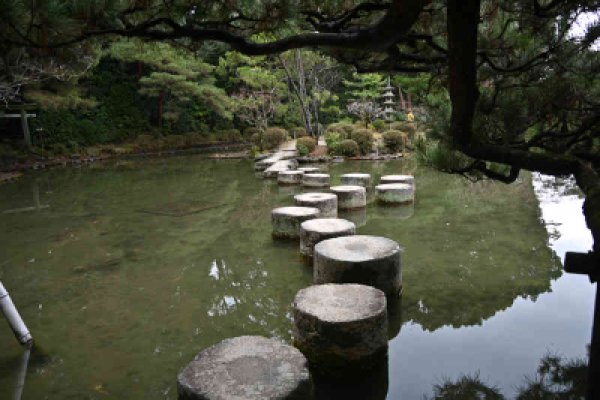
[(124, 271)]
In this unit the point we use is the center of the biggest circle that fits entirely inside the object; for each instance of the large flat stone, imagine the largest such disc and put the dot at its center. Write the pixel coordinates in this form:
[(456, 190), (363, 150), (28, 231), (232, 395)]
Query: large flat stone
[(246, 368)]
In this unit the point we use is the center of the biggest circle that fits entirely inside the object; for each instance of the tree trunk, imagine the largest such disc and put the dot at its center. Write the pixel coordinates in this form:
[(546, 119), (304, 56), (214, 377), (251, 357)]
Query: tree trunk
[(161, 100)]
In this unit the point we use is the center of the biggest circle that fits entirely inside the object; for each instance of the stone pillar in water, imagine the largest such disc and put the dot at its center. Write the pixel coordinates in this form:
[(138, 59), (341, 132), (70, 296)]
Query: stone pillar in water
[(316, 230), (327, 203), (341, 329), (395, 193), (286, 220), (368, 260), (350, 197), (356, 179)]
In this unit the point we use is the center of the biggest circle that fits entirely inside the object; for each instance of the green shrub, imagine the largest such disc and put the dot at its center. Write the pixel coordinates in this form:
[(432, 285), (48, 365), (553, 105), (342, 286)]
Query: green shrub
[(308, 142), (394, 140), (250, 131), (379, 125), (364, 140), (343, 128), (298, 132), (302, 149), (348, 148), (229, 135), (333, 140), (404, 126), (273, 137)]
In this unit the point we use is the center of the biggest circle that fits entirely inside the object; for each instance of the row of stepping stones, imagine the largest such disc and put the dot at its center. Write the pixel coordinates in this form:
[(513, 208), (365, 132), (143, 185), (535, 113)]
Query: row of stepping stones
[(340, 323), (392, 189)]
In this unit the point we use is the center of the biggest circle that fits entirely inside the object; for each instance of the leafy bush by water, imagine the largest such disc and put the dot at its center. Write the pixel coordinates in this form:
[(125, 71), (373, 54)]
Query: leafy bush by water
[(273, 137), (308, 142), (364, 140), (394, 140), (348, 148)]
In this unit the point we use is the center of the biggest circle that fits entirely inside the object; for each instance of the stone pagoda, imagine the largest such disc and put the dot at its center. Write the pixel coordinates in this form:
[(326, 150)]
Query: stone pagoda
[(388, 101)]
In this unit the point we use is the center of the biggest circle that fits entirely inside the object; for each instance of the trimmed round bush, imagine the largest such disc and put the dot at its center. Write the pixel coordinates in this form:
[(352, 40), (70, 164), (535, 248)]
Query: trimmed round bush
[(343, 128), (364, 140), (348, 148), (394, 140), (273, 137), (333, 140), (308, 142), (379, 125), (298, 131), (404, 126)]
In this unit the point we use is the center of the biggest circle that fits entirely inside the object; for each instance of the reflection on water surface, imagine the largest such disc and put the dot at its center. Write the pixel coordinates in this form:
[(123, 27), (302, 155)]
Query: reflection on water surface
[(134, 267)]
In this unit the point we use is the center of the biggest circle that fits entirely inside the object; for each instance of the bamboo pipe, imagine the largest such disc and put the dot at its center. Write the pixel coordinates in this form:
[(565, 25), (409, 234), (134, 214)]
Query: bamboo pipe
[(12, 316)]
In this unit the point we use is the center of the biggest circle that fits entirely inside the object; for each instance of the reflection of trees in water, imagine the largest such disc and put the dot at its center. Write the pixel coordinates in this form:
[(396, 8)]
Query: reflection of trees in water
[(555, 187), (470, 256), (245, 294), (556, 378)]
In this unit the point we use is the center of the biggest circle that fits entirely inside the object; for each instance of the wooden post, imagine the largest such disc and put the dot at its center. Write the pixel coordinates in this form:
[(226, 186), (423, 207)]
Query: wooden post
[(25, 125), (589, 264)]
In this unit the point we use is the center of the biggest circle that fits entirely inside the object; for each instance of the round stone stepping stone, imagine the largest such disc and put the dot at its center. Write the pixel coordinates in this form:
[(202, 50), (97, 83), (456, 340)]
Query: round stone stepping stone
[(327, 203), (315, 230), (341, 328), (316, 180), (395, 193), (356, 179), (286, 220), (290, 177), (309, 170), (246, 368), (368, 260), (397, 179), (350, 196)]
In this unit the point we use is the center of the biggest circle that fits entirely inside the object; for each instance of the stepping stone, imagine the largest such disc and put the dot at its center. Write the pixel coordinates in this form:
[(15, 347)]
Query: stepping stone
[(316, 180), (327, 203), (281, 165), (309, 170), (290, 177), (356, 179), (350, 197), (397, 179), (368, 260), (315, 230), (246, 368), (341, 328), (286, 220), (395, 193)]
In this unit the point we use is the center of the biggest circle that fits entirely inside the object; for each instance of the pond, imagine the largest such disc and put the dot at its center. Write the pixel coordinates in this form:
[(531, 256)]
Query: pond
[(124, 271)]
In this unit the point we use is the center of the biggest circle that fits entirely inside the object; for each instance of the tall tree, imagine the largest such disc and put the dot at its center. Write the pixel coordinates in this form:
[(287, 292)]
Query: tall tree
[(174, 75), (310, 77)]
